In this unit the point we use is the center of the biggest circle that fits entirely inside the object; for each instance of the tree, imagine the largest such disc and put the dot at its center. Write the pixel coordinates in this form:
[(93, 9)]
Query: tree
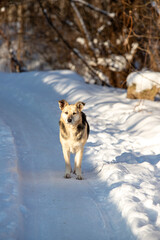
[(102, 40)]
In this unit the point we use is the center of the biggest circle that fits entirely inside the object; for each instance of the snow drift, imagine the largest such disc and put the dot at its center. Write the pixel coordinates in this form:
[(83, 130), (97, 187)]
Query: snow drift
[(144, 80), (120, 196)]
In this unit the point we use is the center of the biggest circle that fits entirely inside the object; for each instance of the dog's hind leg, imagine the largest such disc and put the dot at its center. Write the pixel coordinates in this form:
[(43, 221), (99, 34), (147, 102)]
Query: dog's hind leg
[(67, 162), (78, 163)]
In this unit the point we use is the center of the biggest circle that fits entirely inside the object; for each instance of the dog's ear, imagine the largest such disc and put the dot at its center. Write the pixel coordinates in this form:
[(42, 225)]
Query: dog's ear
[(80, 105), (62, 104)]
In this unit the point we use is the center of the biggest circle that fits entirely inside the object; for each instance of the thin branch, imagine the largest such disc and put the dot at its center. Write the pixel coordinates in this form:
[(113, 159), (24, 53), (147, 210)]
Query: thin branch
[(130, 21), (82, 25), (144, 36), (137, 6), (110, 15)]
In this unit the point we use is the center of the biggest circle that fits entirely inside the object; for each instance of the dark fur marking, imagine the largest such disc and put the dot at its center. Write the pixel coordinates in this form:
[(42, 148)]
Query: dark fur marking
[(80, 128), (84, 121), (63, 130), (83, 118), (80, 131), (88, 130)]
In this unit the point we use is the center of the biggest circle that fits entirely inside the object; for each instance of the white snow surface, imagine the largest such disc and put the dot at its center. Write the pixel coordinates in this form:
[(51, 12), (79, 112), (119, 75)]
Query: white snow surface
[(119, 198), (144, 80)]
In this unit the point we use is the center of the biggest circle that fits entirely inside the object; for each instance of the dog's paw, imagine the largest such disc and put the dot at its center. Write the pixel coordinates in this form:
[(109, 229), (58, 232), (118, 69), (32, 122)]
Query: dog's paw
[(67, 175), (79, 177)]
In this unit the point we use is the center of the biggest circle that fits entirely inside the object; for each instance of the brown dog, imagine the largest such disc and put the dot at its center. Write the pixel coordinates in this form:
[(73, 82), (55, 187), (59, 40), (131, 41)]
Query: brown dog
[(74, 131)]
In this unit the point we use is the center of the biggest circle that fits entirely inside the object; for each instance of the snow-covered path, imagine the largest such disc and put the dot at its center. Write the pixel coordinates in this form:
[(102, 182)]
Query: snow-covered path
[(45, 205), (119, 198)]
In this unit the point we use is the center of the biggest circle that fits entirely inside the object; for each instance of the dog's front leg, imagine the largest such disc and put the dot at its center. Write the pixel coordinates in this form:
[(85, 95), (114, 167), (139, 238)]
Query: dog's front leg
[(66, 154), (78, 163)]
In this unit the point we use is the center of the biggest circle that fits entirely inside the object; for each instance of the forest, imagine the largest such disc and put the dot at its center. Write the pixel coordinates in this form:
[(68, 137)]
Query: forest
[(101, 40)]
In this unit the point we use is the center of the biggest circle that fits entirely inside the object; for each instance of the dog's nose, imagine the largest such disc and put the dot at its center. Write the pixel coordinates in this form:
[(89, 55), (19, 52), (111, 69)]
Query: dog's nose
[(69, 120)]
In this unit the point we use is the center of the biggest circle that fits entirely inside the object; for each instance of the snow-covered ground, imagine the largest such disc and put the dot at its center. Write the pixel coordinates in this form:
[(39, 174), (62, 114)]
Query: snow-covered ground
[(119, 198)]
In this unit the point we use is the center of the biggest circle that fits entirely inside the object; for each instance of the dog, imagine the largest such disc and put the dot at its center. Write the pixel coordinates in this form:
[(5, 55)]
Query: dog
[(74, 132)]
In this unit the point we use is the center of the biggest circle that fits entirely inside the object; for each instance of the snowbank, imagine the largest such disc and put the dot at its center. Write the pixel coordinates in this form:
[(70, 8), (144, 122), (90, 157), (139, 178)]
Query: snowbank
[(144, 80)]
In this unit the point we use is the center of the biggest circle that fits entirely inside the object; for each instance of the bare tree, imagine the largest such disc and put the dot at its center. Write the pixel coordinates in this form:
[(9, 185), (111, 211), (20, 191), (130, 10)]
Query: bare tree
[(102, 40)]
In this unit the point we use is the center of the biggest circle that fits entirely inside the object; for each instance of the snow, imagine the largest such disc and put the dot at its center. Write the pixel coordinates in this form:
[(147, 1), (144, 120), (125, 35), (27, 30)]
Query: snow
[(9, 184), (115, 62), (119, 197), (144, 80), (80, 41)]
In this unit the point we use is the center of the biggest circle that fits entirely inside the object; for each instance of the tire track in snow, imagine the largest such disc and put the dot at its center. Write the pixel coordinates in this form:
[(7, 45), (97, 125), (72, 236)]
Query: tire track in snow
[(9, 197), (51, 206)]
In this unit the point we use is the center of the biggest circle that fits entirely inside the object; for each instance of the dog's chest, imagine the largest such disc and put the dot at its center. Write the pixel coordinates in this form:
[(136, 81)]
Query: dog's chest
[(74, 145), (72, 142), (72, 137)]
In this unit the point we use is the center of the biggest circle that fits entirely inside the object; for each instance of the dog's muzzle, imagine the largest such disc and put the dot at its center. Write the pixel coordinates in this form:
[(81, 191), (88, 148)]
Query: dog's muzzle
[(69, 120)]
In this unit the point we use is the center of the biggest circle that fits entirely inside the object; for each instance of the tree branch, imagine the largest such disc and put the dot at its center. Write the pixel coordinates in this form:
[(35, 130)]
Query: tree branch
[(73, 50), (82, 25), (110, 15)]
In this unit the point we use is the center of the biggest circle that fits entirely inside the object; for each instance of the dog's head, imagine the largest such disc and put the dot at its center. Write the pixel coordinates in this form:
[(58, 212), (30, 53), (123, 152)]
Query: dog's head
[(71, 113)]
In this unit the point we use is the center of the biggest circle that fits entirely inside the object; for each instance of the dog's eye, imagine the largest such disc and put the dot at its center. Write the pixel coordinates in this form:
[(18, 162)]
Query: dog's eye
[(74, 113), (66, 112)]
